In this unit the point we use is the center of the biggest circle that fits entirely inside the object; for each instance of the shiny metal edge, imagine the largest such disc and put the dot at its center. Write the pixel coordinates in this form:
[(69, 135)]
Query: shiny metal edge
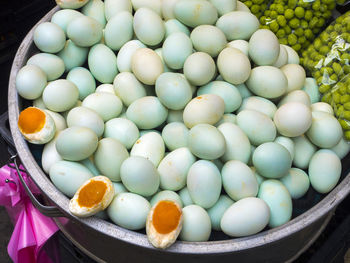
[(212, 247)]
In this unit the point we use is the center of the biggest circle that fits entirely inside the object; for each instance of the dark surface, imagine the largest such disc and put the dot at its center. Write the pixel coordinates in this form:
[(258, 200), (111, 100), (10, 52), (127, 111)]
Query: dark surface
[(16, 19)]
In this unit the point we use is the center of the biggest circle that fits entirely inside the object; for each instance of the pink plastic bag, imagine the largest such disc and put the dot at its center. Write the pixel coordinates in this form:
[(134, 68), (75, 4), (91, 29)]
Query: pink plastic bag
[(32, 229)]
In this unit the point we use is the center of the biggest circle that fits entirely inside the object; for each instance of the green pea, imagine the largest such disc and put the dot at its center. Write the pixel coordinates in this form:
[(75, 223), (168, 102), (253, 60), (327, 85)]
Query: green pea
[(274, 26), (313, 22), (273, 14), (333, 78), (308, 34), (289, 13), (283, 41), (248, 3), (346, 69), (308, 15), (337, 68), (316, 5), (296, 47), (255, 9), (294, 23), (299, 12), (281, 20), (324, 88), (280, 34), (347, 135), (262, 20), (280, 9), (321, 21), (302, 40), (292, 39), (342, 89), (324, 50), (336, 97), (326, 71), (345, 99), (339, 111), (292, 3), (299, 32), (346, 115), (287, 29), (304, 24), (344, 124)]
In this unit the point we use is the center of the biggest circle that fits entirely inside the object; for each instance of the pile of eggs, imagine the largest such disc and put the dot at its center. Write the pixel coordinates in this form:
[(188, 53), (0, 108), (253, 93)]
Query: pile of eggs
[(194, 104)]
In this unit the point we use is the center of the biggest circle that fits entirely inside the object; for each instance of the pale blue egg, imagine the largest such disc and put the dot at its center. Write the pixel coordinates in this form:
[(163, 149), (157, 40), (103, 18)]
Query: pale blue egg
[(175, 116), (206, 142), (148, 26), (174, 167), (272, 160), (237, 143), (287, 143), (238, 25), (176, 48), (52, 65), (175, 135), (324, 170), (76, 143), (174, 26), (199, 68), (240, 44), (60, 95), (109, 156), (257, 126), (128, 88), (30, 82), (95, 9), (244, 91), (102, 63), (195, 12), (224, 6), (119, 30), (208, 39), (85, 117), (228, 117), (342, 148), (185, 197), (196, 225), (122, 130), (69, 176), (84, 31), (297, 182), (159, 52), (88, 163), (303, 151), (264, 47), (139, 176), (267, 82), (325, 130), (73, 55), (84, 81), (238, 180), (147, 112), (119, 188), (296, 96), (311, 88), (217, 211), (150, 146), (71, 4), (173, 90), (204, 183), (277, 197), (246, 217), (49, 37), (259, 104), (129, 211), (107, 105), (155, 5)]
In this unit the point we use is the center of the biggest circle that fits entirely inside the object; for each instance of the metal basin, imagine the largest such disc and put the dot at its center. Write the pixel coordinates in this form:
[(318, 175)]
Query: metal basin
[(106, 242)]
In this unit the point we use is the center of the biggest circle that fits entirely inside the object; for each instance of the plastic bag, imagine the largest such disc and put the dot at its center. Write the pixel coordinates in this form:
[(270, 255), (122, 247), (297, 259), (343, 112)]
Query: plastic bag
[(328, 61), (297, 22)]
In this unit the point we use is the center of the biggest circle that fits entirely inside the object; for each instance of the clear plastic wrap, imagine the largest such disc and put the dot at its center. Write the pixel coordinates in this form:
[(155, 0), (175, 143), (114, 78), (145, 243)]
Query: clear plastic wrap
[(328, 61), (297, 22)]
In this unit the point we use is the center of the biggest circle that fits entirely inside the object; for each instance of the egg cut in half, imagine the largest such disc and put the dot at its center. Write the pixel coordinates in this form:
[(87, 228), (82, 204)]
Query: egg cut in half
[(92, 197), (164, 223), (36, 125)]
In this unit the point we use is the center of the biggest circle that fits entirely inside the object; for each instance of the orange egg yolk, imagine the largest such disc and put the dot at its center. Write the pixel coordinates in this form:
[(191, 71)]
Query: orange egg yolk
[(31, 120), (92, 193), (166, 217)]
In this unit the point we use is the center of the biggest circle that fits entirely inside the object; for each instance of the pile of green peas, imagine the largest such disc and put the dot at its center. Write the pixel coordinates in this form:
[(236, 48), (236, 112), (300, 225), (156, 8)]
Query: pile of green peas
[(297, 22), (257, 7), (328, 61)]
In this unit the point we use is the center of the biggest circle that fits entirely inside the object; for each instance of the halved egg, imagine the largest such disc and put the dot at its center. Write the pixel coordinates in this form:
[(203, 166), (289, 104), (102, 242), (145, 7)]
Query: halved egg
[(92, 197), (164, 223), (36, 125)]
